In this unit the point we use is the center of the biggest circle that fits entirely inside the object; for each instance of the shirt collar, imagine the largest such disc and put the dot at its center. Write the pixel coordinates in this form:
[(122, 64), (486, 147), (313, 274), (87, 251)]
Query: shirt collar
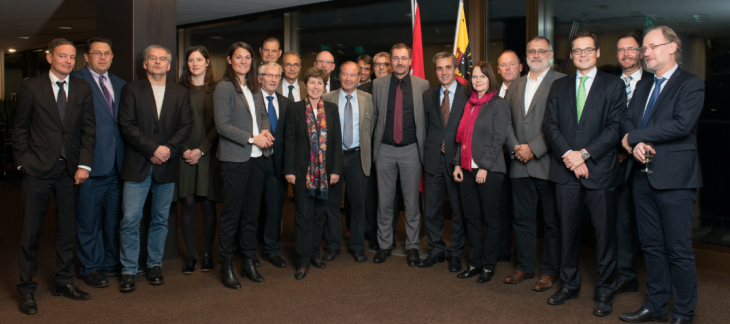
[(452, 88), (636, 76), (669, 73), (405, 79), (295, 84), (96, 75), (54, 79), (590, 75), (539, 77), (343, 95), (264, 94)]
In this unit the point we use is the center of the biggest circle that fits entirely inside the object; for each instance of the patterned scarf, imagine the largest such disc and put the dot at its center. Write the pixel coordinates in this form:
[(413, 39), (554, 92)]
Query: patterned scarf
[(466, 126), (316, 185)]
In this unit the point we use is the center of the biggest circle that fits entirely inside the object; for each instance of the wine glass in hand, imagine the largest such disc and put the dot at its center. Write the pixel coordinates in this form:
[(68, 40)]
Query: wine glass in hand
[(648, 156)]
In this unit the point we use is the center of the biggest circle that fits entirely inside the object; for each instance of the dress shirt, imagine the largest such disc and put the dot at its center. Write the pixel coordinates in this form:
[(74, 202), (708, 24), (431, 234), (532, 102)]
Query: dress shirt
[(56, 89), (665, 76), (502, 90), (355, 118), (452, 89), (327, 85), (285, 91), (159, 92), (409, 119), (531, 88), (635, 77), (107, 82), (589, 82), (255, 150)]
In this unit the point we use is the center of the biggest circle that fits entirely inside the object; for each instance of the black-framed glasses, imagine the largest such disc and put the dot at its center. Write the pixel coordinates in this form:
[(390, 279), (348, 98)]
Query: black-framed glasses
[(541, 52), (100, 54), (651, 47), (629, 50), (579, 51)]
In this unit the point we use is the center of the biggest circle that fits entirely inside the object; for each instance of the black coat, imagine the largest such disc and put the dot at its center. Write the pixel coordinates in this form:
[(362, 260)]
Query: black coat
[(489, 135), (279, 135), (436, 133), (296, 142), (144, 132)]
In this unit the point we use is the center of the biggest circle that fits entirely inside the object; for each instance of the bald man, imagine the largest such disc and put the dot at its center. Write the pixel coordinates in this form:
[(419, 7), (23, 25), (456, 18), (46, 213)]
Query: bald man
[(509, 68), (326, 61)]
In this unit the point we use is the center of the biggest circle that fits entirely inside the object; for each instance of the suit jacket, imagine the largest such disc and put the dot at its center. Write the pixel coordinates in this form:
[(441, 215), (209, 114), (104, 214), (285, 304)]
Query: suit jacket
[(335, 84), (279, 135), (109, 145), (366, 87), (39, 131), (527, 129), (144, 131), (234, 123), (302, 90), (597, 132), (436, 133), (381, 87), (367, 123), (672, 128), (490, 131), (296, 142)]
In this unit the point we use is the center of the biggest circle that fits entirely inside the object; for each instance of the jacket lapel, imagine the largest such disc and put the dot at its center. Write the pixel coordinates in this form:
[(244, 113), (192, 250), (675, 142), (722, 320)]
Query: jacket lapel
[(668, 88), (150, 98), (520, 88), (572, 98), (437, 105), (361, 102), (593, 96), (167, 101), (48, 90), (282, 110), (457, 109), (544, 87), (641, 96), (96, 90)]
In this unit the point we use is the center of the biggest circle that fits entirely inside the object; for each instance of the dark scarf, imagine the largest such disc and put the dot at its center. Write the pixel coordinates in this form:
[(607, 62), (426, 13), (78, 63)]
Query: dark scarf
[(316, 183)]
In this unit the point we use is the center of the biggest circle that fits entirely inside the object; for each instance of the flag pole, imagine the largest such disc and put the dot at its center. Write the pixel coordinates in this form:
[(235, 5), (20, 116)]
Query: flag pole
[(458, 20), (413, 15)]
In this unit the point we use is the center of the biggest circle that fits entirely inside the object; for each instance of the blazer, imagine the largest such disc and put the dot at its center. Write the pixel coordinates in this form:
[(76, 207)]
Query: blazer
[(490, 131), (109, 145), (296, 142), (671, 127), (234, 123), (39, 131), (527, 129), (381, 87), (144, 131), (597, 131), (367, 123), (366, 87), (279, 135), (436, 133), (335, 84), (302, 91)]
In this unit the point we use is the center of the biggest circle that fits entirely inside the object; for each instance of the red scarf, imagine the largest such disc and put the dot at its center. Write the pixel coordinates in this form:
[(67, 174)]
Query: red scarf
[(466, 126)]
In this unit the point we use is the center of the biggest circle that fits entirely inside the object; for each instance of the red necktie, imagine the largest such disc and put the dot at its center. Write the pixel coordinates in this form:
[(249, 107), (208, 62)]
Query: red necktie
[(398, 115)]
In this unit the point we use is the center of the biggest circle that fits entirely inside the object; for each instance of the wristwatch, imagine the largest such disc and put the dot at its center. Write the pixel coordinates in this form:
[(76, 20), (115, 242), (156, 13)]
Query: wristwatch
[(584, 154), (250, 140)]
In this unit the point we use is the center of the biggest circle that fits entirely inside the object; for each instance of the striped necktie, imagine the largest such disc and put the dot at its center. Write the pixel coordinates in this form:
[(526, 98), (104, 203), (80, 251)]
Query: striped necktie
[(629, 92)]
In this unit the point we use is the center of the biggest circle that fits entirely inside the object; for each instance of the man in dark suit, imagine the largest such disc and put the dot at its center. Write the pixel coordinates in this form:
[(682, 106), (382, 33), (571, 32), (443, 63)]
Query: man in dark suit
[(53, 144), (629, 58), (530, 169), (443, 106), (326, 61), (156, 120), (581, 128), (276, 185), (98, 245), (664, 111), (291, 87), (400, 135), (356, 122)]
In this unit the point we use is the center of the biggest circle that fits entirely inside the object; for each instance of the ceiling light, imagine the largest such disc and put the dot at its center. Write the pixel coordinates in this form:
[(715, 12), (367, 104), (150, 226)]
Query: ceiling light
[(24, 37), (48, 52), (65, 27), (11, 50)]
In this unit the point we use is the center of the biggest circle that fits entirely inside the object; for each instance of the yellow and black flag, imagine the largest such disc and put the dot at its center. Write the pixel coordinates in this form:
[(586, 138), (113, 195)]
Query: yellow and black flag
[(461, 48)]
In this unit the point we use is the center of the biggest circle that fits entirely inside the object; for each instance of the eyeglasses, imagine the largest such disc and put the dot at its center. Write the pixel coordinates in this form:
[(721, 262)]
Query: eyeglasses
[(578, 51), (155, 58), (271, 76), (97, 53), (324, 62), (651, 47), (289, 65), (380, 65), (542, 52), (630, 50)]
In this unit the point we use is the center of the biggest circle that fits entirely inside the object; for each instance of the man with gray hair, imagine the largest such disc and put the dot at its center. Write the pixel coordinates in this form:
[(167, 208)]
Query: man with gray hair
[(291, 88), (156, 119)]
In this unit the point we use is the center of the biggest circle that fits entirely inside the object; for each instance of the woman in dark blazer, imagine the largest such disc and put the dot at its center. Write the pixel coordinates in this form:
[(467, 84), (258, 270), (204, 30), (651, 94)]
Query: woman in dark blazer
[(480, 169), (312, 162)]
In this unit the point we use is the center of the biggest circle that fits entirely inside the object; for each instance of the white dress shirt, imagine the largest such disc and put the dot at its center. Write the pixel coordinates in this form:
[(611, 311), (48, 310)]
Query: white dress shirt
[(107, 82), (355, 118), (56, 89), (531, 88), (665, 76), (327, 85), (255, 150), (502, 90), (285, 90)]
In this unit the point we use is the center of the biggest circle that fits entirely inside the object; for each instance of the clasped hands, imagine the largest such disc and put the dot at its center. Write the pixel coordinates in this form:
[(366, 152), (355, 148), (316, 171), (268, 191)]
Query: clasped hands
[(523, 153), (192, 156), (162, 154), (574, 161), (263, 139), (290, 178), (639, 151)]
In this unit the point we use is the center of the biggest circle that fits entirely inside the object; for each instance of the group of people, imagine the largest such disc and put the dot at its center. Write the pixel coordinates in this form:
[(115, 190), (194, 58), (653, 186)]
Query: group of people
[(571, 142)]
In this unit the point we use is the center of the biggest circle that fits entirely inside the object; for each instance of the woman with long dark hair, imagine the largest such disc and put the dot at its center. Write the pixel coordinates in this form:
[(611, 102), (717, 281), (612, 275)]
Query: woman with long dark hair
[(480, 169), (199, 167)]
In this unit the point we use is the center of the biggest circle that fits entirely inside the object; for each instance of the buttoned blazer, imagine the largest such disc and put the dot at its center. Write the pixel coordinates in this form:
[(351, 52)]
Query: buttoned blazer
[(367, 123), (436, 131)]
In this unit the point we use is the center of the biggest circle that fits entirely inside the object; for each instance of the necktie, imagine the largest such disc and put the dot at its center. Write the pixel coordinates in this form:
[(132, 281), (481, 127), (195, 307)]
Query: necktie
[(581, 98), (291, 90), (445, 110), (61, 102), (398, 114), (107, 94), (654, 95), (272, 113), (347, 139), (629, 93)]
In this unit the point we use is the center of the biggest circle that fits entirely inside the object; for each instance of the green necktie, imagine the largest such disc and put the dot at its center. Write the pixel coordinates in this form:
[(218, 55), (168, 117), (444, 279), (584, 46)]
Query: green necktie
[(581, 98)]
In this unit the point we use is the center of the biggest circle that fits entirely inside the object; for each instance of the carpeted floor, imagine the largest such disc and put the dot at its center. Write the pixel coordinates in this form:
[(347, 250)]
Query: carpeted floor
[(345, 292)]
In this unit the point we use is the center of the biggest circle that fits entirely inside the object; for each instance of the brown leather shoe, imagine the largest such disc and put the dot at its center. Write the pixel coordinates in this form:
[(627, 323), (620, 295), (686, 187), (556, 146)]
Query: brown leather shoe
[(544, 283), (518, 276)]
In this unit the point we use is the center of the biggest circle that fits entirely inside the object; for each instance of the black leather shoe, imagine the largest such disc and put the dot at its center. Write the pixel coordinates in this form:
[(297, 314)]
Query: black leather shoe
[(207, 265), (469, 272), (681, 321), (625, 286), (249, 269), (331, 254), (373, 246), (454, 264), (256, 261), (562, 296), (96, 279), (603, 306), (413, 257), (189, 266), (118, 273), (485, 276), (70, 291), (228, 277), (431, 260), (127, 283), (643, 315), (301, 273), (360, 255), (27, 304), (318, 263), (275, 260), (381, 256), (154, 276)]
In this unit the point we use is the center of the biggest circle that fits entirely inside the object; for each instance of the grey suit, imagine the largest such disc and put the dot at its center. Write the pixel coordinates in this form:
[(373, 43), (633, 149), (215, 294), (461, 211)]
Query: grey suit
[(235, 126), (356, 163), (530, 180), (392, 161), (302, 90)]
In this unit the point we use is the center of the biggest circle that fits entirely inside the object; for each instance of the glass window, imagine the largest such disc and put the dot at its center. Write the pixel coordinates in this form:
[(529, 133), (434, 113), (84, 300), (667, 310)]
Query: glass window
[(506, 31)]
